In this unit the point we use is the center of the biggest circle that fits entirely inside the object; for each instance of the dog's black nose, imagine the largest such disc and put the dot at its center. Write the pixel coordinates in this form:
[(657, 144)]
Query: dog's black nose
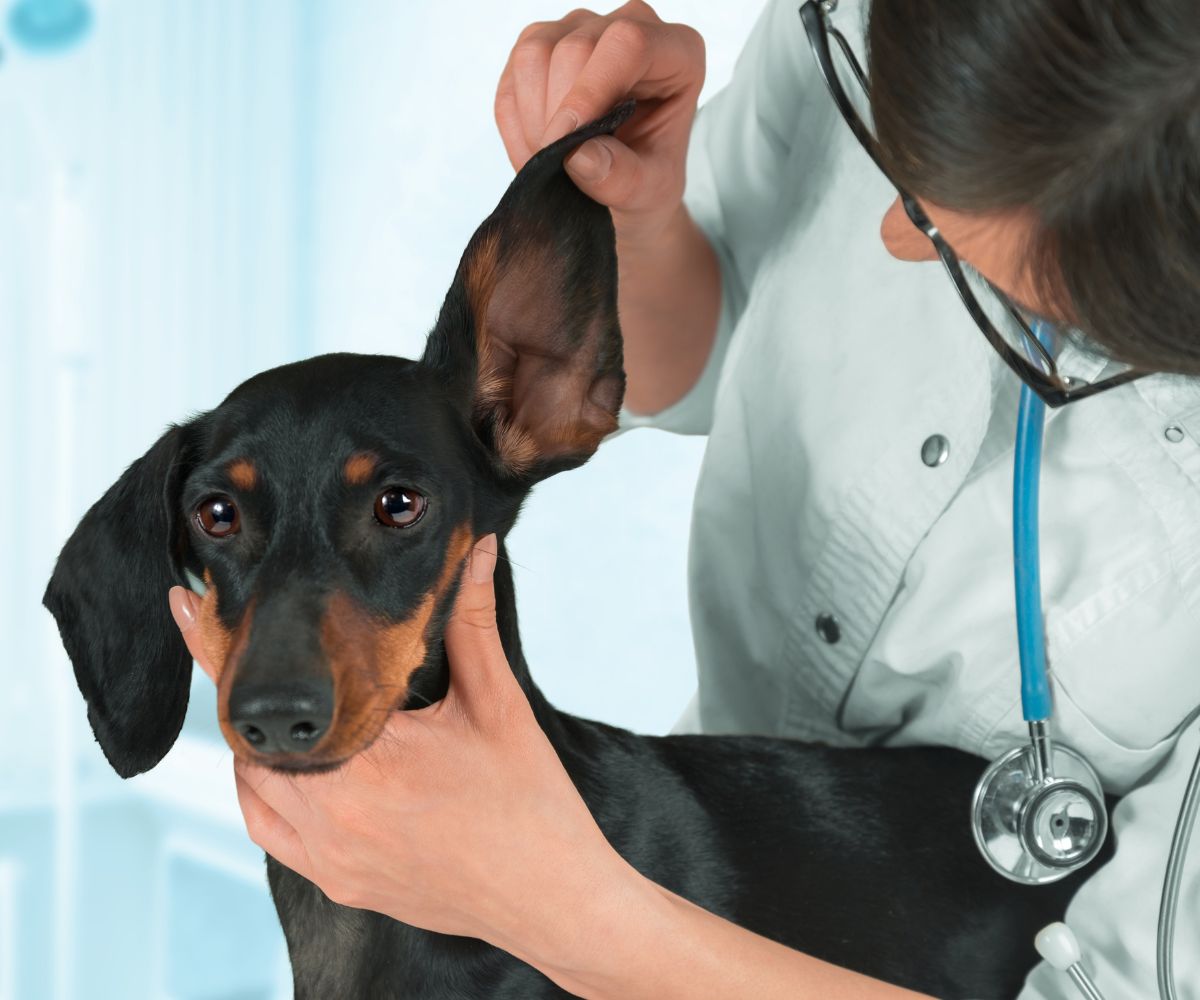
[(282, 718)]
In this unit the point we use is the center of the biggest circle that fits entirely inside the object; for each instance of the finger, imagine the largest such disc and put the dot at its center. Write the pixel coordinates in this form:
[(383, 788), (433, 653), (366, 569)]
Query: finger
[(508, 121), (272, 832), (281, 792), (642, 59), (525, 76), (473, 648), (608, 171), (185, 609), (529, 64), (571, 53)]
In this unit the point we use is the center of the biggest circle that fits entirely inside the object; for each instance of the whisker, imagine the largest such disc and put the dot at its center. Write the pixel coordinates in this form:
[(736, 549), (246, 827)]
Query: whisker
[(513, 562)]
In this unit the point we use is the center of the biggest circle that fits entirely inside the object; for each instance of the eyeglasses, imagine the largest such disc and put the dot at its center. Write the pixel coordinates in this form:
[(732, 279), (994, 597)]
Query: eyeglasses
[(1000, 321)]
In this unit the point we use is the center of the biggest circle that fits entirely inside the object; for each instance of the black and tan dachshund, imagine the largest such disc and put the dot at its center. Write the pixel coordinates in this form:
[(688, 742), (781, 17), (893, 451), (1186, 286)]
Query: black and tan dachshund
[(329, 506)]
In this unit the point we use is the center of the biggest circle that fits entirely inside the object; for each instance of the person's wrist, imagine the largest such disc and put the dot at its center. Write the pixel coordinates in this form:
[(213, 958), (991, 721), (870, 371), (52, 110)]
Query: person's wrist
[(592, 944), (649, 235)]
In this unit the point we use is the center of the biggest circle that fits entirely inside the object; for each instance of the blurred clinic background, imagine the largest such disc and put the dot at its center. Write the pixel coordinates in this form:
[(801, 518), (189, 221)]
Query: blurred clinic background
[(191, 192)]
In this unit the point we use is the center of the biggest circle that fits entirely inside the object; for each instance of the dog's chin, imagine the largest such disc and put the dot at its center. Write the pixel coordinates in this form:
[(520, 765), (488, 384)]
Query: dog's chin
[(301, 766), (314, 762)]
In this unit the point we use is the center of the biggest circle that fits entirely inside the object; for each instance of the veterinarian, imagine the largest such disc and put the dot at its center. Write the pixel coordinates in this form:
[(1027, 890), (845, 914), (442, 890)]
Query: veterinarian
[(851, 561)]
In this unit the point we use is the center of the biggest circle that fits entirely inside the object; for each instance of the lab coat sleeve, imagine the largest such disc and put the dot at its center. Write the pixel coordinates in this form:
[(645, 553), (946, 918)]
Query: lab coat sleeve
[(1115, 914), (737, 164)]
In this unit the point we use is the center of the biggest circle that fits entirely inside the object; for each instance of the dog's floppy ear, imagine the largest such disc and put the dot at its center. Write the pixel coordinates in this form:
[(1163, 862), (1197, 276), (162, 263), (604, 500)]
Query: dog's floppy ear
[(528, 333), (108, 594)]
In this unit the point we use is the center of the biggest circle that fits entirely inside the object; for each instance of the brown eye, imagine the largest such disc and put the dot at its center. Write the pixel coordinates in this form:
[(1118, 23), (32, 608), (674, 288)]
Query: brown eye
[(398, 507), (218, 517)]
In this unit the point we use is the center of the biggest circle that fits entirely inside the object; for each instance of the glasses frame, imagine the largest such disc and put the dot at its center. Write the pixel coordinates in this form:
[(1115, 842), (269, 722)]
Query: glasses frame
[(1052, 388)]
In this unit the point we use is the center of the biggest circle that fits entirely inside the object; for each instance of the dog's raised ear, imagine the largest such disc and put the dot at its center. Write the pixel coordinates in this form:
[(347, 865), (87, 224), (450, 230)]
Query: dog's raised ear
[(528, 334), (108, 594)]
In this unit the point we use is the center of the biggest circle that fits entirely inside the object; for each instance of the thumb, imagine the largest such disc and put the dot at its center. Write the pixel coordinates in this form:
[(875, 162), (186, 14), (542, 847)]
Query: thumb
[(185, 607), (607, 171), (473, 647)]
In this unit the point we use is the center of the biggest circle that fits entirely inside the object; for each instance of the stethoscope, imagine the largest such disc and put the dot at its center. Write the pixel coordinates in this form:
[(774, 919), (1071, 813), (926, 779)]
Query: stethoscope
[(1038, 812)]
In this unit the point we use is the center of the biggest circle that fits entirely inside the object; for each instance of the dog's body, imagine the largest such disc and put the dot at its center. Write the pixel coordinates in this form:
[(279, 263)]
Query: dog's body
[(329, 506), (863, 858)]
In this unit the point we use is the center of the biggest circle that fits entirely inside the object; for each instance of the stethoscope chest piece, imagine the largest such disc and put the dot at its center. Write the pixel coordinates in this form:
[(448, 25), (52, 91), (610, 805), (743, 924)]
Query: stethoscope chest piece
[(1035, 829)]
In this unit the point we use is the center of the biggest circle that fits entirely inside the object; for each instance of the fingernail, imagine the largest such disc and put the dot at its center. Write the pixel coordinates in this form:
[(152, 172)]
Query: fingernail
[(181, 608), (483, 559), (560, 124), (592, 161)]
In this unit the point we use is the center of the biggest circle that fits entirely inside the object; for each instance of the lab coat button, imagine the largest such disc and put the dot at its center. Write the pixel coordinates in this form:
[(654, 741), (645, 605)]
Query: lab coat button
[(828, 628), (1174, 434), (935, 450)]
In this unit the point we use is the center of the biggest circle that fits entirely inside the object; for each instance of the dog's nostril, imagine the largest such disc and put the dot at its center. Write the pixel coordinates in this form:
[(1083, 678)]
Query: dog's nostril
[(285, 717), (305, 732)]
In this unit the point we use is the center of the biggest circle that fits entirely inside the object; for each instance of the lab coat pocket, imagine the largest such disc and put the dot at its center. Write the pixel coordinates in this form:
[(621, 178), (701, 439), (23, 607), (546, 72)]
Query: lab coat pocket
[(1120, 767), (1125, 661)]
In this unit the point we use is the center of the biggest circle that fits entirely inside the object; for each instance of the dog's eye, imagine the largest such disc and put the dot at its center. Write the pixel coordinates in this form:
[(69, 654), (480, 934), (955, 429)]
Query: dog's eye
[(399, 507), (218, 517)]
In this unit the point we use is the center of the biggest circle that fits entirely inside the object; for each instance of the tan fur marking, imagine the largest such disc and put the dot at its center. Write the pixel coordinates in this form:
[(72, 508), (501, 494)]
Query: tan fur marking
[(483, 269), (359, 468), (242, 474), (580, 436), (480, 281), (215, 636), (491, 387), (224, 648), (372, 665), (227, 673), (516, 448)]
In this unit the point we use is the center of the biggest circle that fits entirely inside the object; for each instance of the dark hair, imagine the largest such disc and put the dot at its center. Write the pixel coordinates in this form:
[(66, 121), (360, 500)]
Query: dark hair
[(1087, 112)]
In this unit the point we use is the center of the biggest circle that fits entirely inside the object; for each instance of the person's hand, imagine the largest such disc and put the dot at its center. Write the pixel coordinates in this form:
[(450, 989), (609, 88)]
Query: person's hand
[(460, 818), (563, 74)]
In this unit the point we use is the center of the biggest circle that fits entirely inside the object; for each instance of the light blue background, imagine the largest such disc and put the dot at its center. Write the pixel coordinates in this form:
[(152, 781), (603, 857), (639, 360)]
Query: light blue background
[(192, 193)]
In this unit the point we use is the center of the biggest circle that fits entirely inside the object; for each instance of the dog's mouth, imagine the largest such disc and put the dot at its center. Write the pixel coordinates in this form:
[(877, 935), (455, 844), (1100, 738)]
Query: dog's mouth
[(305, 742), (303, 767), (281, 729)]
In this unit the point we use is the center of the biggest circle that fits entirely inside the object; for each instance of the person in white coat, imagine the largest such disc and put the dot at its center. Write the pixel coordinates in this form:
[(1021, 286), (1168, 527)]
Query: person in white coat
[(851, 563)]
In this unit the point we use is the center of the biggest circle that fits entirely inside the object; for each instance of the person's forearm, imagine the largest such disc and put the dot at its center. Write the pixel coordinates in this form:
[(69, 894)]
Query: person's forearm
[(638, 940), (669, 296)]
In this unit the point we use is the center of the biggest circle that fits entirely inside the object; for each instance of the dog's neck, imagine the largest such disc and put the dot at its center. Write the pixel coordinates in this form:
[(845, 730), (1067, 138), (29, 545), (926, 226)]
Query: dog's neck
[(433, 686), (506, 617)]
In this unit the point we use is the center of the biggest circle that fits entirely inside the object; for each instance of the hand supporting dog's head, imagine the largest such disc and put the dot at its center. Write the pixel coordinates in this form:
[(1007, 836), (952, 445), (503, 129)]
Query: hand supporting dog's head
[(329, 504)]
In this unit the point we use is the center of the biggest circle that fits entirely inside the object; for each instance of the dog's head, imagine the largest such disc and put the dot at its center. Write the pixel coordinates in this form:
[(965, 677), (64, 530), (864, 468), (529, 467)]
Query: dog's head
[(329, 505)]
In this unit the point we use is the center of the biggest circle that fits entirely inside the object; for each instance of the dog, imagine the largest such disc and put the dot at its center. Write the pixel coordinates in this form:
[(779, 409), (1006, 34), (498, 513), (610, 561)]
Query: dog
[(329, 506)]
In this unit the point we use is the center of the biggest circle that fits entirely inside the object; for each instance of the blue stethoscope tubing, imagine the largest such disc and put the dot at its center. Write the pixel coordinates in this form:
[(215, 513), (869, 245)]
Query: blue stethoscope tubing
[(1038, 812), (1036, 704), (1036, 698)]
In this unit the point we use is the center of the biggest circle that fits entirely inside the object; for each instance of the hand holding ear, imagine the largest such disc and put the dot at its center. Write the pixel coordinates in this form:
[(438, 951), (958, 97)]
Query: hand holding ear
[(561, 74), (459, 818)]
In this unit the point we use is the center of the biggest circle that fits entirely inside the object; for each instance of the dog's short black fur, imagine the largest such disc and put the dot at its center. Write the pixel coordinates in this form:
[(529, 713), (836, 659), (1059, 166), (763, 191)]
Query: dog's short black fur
[(279, 498)]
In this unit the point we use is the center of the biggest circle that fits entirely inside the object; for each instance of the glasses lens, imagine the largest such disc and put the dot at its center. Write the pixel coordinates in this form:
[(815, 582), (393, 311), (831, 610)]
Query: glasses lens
[(1077, 360), (1016, 332), (848, 70)]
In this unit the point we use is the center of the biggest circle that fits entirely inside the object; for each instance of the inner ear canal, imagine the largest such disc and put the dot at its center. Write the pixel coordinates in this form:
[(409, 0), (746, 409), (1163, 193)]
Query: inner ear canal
[(542, 382)]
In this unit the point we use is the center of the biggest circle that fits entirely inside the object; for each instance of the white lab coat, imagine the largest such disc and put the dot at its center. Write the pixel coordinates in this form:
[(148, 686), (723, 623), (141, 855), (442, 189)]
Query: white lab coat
[(834, 364)]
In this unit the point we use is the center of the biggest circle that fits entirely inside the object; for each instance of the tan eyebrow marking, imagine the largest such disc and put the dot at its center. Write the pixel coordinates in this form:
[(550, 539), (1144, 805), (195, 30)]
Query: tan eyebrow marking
[(358, 468), (242, 473)]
